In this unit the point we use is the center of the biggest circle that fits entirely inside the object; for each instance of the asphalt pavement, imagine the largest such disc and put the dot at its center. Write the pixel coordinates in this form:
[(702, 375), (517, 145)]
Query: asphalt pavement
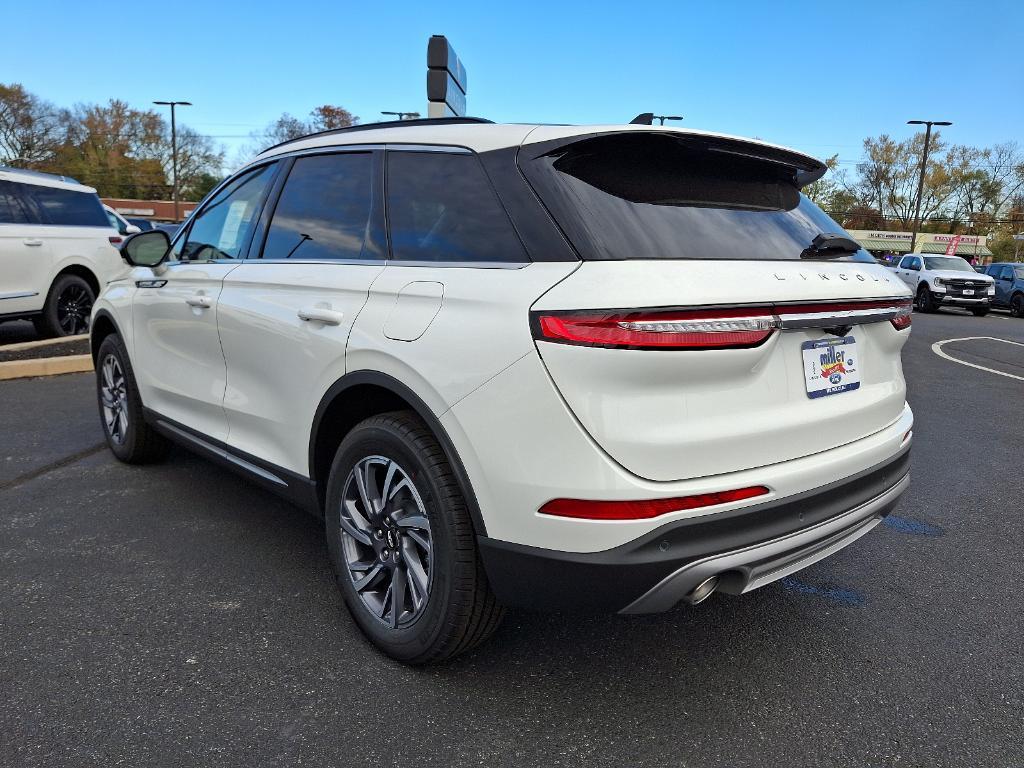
[(176, 615)]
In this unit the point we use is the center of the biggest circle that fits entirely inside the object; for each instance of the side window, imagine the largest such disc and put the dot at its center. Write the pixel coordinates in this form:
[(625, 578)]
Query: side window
[(1007, 273), (221, 230), (905, 263), (12, 206), (66, 207), (115, 222), (441, 207), (324, 208), (915, 263)]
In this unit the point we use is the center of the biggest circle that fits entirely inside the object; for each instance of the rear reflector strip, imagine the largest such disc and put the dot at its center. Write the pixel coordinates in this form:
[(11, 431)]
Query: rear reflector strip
[(729, 328), (644, 510)]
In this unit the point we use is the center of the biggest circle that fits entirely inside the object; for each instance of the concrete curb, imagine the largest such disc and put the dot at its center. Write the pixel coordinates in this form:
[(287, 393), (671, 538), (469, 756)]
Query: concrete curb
[(45, 366), (41, 343)]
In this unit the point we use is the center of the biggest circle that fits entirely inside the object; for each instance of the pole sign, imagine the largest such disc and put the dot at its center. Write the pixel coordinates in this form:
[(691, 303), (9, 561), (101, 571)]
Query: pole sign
[(446, 80)]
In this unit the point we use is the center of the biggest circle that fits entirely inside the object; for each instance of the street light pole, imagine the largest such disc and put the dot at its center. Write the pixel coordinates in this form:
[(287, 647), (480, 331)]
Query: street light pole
[(403, 115), (174, 151), (924, 165)]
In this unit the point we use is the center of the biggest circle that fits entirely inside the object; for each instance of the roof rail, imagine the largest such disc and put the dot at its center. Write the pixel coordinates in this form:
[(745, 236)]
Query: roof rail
[(385, 124), (39, 174)]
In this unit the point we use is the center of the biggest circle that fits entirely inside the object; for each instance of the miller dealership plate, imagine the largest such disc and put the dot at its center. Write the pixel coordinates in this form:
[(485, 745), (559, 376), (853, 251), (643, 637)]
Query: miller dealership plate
[(831, 366)]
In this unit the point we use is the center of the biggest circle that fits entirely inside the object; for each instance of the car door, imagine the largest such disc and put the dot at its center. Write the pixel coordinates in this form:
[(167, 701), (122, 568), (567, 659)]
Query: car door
[(24, 255), (179, 365), (902, 269), (1004, 285), (285, 317)]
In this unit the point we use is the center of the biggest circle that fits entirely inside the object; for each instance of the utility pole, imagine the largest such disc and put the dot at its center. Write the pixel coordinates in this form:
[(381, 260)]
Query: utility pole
[(924, 166), (174, 151), (663, 118), (403, 115)]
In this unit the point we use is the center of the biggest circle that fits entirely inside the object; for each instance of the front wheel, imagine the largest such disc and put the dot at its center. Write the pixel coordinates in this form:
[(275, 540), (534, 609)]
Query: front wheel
[(402, 544), (129, 437), (925, 302), (1017, 305)]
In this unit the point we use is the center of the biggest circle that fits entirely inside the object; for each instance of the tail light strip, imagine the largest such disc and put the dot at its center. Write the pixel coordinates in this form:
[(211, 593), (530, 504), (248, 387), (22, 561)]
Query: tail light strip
[(584, 509), (727, 328)]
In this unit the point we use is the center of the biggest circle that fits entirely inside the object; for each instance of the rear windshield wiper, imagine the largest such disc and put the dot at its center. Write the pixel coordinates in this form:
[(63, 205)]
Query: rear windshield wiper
[(829, 245)]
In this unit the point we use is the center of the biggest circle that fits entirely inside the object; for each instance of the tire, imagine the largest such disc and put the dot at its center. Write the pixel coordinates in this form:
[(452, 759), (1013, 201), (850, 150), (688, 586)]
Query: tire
[(925, 302), (1017, 305), (980, 312), (129, 437), (68, 308), (421, 548)]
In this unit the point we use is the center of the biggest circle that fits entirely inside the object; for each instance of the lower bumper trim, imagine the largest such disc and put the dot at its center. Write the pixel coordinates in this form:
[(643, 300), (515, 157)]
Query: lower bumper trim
[(747, 569)]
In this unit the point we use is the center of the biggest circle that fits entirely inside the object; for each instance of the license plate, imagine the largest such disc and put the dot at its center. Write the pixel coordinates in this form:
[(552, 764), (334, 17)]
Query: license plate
[(831, 366), (968, 291)]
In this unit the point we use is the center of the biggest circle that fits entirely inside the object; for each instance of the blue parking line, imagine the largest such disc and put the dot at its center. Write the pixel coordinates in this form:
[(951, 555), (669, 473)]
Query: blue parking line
[(906, 525), (839, 594)]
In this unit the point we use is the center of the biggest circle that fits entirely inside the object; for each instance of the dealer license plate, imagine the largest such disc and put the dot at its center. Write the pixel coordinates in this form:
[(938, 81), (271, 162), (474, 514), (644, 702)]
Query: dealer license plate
[(831, 366)]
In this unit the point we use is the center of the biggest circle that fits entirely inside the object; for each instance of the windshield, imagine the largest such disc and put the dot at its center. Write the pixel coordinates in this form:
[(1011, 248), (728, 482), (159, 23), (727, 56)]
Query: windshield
[(948, 263), (659, 196)]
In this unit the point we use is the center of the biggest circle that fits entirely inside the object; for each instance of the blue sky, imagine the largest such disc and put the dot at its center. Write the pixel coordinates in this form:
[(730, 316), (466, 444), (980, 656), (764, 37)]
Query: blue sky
[(817, 76)]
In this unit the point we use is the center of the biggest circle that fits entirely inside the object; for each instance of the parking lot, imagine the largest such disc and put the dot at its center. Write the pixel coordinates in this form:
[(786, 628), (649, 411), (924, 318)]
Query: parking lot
[(176, 615)]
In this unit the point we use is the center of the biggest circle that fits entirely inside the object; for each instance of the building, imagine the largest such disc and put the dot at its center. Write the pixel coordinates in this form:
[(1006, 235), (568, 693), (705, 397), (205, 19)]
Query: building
[(970, 247), (156, 210)]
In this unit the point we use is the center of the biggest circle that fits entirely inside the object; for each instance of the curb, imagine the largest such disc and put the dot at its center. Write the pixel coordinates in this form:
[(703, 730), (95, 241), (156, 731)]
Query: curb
[(45, 366), (41, 343)]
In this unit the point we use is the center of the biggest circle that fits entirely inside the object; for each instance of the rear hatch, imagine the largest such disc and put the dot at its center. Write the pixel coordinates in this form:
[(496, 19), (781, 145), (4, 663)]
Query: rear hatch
[(720, 320)]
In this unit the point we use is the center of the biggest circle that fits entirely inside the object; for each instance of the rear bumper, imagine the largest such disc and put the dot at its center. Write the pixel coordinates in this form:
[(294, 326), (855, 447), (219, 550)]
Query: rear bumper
[(747, 548)]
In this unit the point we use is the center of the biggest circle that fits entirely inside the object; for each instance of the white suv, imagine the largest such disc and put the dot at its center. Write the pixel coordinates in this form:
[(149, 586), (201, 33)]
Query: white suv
[(57, 251), (607, 368)]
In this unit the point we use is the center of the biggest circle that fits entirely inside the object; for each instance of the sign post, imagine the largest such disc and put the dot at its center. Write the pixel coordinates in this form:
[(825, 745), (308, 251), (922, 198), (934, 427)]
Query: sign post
[(446, 80)]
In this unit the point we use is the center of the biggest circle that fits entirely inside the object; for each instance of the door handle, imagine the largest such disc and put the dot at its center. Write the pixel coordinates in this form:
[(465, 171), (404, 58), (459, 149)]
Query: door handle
[(202, 302), (32, 241), (321, 315)]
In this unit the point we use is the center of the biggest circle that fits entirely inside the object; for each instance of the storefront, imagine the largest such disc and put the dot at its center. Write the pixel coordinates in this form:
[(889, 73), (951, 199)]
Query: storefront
[(889, 245)]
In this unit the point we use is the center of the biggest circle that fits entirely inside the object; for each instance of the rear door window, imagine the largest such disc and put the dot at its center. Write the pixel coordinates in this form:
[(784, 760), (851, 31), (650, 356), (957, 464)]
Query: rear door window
[(68, 208), (13, 207), (324, 209), (441, 207), (643, 195)]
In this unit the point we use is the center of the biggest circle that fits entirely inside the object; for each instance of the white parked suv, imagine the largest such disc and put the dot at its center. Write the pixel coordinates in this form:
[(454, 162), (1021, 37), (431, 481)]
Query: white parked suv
[(946, 281), (611, 368), (57, 251)]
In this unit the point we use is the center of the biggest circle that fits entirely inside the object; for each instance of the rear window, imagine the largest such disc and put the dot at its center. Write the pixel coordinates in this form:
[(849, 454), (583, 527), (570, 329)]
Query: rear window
[(441, 207), (657, 196), (66, 207)]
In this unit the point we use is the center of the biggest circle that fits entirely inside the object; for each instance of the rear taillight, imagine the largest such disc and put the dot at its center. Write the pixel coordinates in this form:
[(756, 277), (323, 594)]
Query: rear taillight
[(682, 329), (644, 510), (728, 328), (902, 320)]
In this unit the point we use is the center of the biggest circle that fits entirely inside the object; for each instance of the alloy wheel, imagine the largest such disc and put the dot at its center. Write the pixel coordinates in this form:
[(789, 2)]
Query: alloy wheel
[(386, 541), (114, 398), (74, 306)]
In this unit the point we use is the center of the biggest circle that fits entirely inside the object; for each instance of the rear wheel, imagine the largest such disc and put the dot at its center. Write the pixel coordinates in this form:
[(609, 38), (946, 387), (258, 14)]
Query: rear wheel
[(402, 544), (68, 307), (925, 302), (1017, 305)]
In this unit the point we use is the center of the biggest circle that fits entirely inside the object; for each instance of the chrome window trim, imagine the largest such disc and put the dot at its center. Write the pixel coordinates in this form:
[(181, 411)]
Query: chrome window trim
[(451, 149)]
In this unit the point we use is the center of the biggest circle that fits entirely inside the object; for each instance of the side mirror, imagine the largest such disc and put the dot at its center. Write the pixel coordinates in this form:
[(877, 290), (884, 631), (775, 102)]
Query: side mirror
[(146, 249), (132, 229)]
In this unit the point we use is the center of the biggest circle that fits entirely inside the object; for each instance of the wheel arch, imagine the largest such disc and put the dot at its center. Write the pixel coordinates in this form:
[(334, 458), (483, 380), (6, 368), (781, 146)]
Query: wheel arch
[(79, 270), (103, 325), (360, 395)]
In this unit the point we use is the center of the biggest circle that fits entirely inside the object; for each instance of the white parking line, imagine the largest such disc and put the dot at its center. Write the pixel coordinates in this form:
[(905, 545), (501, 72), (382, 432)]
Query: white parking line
[(937, 349)]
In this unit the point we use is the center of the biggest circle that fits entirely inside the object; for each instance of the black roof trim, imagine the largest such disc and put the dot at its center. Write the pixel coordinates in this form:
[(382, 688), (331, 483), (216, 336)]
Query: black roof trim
[(386, 124)]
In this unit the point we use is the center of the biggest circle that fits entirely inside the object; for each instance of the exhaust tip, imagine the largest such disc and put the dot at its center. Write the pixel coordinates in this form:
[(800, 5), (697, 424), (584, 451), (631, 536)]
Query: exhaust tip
[(702, 591)]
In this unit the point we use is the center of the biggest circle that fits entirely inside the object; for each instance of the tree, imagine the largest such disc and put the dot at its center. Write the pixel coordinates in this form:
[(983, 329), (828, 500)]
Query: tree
[(329, 118), (31, 129), (326, 117)]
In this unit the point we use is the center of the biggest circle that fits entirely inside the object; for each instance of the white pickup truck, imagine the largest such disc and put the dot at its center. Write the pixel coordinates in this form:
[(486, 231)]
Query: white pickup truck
[(946, 281)]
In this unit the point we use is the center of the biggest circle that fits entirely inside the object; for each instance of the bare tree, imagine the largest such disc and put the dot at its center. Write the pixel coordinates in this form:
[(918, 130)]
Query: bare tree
[(31, 129)]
